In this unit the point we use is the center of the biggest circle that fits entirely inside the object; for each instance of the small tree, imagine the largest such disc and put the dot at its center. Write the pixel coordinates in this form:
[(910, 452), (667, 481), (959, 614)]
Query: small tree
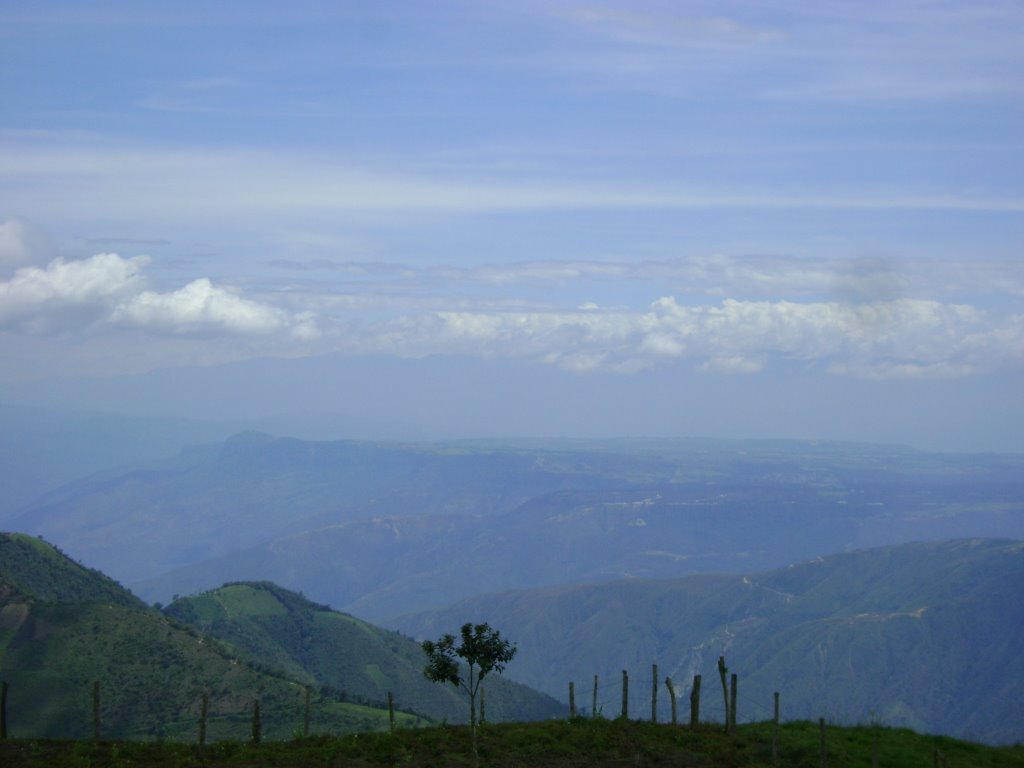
[(483, 651)]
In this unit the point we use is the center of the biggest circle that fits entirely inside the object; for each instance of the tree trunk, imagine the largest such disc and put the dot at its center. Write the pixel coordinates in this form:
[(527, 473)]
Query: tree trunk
[(472, 717)]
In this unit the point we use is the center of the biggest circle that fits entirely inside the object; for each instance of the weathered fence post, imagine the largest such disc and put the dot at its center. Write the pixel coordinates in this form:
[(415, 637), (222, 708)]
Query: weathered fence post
[(391, 712), (874, 751), (732, 705), (775, 729), (203, 709), (671, 697), (593, 704), (824, 754), (654, 693), (695, 702), (305, 712), (722, 671), (572, 699), (483, 707), (625, 695), (257, 725), (96, 710), (3, 710)]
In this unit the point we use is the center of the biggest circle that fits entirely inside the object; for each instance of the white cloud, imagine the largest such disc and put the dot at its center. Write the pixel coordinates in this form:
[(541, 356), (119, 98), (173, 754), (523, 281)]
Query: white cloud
[(882, 339), (199, 306), (68, 296), (65, 294)]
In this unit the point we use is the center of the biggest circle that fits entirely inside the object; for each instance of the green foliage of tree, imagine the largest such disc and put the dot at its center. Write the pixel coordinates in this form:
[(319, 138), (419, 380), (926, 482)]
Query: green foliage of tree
[(482, 649)]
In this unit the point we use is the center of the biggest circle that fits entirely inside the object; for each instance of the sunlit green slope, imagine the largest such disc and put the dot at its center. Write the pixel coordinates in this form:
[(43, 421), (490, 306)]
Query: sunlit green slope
[(323, 647)]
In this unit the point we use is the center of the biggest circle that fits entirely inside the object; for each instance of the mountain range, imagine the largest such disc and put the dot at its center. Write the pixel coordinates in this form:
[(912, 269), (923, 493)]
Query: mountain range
[(595, 556), (927, 635), (381, 529)]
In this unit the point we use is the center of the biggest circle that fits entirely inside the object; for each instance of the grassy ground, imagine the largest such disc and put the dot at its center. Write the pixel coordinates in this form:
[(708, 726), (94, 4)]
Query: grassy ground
[(551, 744)]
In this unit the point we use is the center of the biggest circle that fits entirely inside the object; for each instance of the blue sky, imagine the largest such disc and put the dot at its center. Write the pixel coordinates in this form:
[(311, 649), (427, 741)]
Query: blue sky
[(742, 198)]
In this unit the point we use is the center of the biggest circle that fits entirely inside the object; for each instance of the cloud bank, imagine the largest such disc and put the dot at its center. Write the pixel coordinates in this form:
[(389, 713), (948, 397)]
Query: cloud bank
[(901, 338), (725, 315)]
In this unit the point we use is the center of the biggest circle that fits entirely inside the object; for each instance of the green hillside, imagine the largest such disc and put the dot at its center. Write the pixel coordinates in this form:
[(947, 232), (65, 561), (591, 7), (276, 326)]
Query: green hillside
[(63, 627), (39, 571), (929, 636), (319, 646)]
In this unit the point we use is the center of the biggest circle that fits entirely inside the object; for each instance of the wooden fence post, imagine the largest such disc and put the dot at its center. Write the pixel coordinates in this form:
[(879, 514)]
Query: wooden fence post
[(203, 709), (775, 729), (96, 710), (625, 695), (257, 725), (722, 671), (654, 693), (572, 699), (732, 705), (391, 712), (695, 702), (593, 704), (305, 712), (3, 710), (483, 707), (671, 697), (824, 754)]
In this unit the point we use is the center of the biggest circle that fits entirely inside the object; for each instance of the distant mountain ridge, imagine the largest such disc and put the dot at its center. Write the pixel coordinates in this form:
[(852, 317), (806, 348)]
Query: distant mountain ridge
[(42, 449), (379, 529), (605, 510), (925, 635), (253, 487)]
